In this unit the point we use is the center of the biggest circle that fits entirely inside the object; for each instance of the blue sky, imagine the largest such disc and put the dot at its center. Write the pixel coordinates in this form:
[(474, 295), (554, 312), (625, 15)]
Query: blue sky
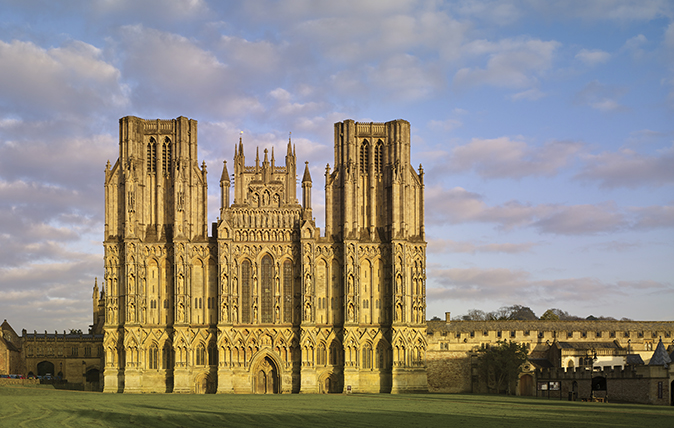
[(544, 128)]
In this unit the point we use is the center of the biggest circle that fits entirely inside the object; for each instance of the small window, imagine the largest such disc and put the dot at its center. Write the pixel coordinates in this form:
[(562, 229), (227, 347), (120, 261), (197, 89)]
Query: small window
[(526, 332), (611, 334), (458, 335), (513, 333), (597, 334), (540, 334), (583, 334), (498, 334), (569, 334), (668, 334), (472, 334), (485, 333), (640, 334), (626, 334)]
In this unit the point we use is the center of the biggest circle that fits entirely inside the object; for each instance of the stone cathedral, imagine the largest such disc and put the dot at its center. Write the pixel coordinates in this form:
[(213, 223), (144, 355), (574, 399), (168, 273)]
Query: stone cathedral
[(262, 302)]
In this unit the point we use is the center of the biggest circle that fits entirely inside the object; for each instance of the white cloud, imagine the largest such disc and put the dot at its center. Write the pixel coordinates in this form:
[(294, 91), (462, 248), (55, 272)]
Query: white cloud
[(532, 94), (445, 125), (601, 97), (507, 285), (627, 168), (457, 205), (451, 246), (512, 63), (593, 57), (57, 82), (505, 158)]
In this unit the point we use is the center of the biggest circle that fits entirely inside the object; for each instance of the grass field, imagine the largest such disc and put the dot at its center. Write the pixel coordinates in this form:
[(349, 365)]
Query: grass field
[(46, 407)]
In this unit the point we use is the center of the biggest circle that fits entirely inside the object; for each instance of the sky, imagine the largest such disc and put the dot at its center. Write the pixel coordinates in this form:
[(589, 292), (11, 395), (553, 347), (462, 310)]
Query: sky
[(544, 129)]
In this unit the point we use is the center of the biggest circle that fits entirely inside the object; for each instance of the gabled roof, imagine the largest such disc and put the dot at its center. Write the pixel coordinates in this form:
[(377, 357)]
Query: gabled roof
[(9, 345), (633, 360), (660, 356), (541, 363)]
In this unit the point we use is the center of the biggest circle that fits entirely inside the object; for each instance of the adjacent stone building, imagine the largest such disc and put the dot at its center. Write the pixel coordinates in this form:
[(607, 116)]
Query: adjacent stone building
[(265, 302)]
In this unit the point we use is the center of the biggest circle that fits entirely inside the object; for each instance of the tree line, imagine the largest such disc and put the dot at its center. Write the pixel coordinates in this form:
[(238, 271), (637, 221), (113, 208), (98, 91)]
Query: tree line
[(524, 313)]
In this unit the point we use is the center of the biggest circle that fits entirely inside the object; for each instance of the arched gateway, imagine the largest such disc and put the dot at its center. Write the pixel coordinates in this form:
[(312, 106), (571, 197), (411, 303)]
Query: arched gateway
[(265, 377)]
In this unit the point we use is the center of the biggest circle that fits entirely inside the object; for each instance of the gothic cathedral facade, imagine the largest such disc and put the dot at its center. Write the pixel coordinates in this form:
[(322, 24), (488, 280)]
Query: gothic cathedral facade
[(264, 303)]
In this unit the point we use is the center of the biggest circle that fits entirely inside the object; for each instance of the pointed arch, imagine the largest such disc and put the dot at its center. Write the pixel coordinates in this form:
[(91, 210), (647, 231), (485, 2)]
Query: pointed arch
[(246, 273), (364, 156), (166, 155), (151, 156)]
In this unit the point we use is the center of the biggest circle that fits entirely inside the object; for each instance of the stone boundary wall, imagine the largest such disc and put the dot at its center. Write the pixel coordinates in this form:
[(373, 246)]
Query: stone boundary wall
[(7, 381)]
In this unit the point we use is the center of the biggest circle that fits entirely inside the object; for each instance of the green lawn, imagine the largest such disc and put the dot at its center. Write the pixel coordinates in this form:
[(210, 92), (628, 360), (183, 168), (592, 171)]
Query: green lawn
[(46, 407)]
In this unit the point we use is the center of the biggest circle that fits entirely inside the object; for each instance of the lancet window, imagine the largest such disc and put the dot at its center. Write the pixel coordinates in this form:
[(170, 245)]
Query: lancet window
[(166, 156), (364, 157), (151, 156), (287, 291), (267, 290), (245, 292), (378, 158)]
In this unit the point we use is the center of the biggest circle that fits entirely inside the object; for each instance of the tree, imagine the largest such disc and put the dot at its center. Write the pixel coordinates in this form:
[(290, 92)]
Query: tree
[(519, 312), (501, 365), (549, 315)]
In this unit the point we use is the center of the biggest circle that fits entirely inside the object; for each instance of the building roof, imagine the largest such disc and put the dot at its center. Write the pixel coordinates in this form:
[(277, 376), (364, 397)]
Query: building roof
[(589, 345), (633, 360), (541, 363), (660, 356)]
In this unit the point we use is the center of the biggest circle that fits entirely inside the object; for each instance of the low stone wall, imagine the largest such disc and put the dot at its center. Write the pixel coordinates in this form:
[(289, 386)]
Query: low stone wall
[(6, 381)]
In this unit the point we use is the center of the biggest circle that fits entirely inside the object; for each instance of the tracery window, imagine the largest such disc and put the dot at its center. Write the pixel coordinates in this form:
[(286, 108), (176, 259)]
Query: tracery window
[(201, 355), (367, 357), (378, 158), (166, 156), (287, 291), (151, 156), (245, 292), (152, 357), (267, 290), (364, 157), (212, 355)]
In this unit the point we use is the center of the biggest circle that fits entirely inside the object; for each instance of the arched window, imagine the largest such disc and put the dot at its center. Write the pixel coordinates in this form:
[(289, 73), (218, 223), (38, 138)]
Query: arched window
[(378, 158), (166, 156), (201, 355), (267, 290), (153, 354), (151, 156), (367, 357), (321, 357), (364, 157), (287, 291), (245, 292)]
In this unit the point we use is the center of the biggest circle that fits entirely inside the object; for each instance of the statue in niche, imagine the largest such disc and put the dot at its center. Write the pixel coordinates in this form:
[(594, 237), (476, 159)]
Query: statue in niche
[(277, 200), (277, 314), (307, 283), (307, 312), (265, 199), (235, 314), (225, 316), (350, 312), (255, 199), (181, 283), (181, 312), (255, 314)]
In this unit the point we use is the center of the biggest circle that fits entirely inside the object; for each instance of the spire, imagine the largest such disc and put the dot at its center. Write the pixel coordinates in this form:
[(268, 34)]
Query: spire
[(241, 143), (660, 357), (95, 296), (307, 177), (224, 178), (257, 159), (290, 147), (273, 162), (266, 160)]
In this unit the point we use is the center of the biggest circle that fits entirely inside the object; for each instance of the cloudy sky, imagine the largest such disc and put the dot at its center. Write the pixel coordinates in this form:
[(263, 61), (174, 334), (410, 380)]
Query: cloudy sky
[(545, 130)]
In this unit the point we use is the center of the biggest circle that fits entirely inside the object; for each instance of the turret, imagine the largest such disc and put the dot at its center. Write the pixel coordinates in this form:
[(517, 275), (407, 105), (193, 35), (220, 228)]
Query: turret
[(224, 188), (306, 192)]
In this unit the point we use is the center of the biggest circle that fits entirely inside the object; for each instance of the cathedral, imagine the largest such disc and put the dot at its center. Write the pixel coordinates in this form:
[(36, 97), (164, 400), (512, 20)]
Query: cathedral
[(262, 301)]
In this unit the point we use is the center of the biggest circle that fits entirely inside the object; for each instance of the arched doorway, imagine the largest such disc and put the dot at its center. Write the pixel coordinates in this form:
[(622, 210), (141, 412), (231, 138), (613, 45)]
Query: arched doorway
[(265, 377), (44, 368)]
